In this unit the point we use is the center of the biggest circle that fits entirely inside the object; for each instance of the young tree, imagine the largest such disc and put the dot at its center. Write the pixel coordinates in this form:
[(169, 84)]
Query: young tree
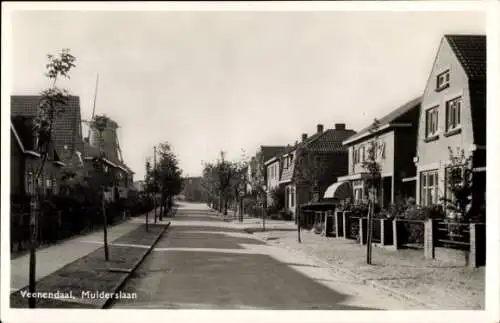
[(258, 184), (168, 177), (147, 188), (52, 103), (373, 168), (100, 123), (223, 182), (209, 185), (310, 166), (459, 185), (238, 184)]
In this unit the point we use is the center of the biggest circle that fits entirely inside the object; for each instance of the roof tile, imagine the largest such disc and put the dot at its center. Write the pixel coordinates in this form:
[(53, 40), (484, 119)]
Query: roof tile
[(67, 126), (471, 52)]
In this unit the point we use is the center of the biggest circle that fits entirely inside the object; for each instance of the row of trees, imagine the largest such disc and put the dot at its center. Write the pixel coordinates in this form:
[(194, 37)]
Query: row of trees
[(163, 178), (224, 182)]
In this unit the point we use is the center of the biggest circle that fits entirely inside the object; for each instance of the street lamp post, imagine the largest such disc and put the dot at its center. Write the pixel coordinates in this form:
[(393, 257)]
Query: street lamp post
[(264, 197), (154, 181)]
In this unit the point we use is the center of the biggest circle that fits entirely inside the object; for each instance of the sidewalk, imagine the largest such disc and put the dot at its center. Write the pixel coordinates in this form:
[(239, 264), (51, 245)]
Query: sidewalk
[(406, 274), (51, 258), (91, 281)]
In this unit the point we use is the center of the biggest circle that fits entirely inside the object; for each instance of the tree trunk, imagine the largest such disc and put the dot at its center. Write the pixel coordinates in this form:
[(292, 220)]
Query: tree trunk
[(264, 213), (298, 218), (154, 206), (32, 264), (105, 219), (35, 209), (369, 227), (147, 218)]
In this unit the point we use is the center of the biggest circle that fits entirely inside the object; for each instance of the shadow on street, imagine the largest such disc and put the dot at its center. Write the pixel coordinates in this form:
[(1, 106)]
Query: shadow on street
[(181, 279)]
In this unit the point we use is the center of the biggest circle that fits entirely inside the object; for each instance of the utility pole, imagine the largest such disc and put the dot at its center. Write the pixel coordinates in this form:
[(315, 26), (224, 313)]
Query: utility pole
[(154, 180)]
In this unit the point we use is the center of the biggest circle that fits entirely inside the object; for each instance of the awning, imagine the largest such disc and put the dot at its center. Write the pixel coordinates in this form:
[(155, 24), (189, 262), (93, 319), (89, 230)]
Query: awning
[(339, 190)]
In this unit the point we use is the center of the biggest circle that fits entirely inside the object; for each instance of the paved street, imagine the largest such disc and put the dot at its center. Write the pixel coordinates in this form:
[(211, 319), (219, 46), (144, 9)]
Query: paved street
[(205, 263)]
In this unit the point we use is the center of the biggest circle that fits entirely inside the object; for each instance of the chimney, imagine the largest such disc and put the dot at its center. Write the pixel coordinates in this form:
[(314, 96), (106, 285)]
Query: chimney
[(320, 128), (340, 126), (304, 137)]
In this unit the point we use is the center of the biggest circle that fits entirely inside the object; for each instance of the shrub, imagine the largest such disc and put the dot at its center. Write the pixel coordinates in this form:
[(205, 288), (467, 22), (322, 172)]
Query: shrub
[(287, 215)]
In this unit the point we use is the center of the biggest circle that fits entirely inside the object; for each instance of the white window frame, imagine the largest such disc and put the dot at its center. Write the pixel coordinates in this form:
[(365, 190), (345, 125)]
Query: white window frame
[(358, 186), (443, 80), (429, 122), (429, 194), (454, 105)]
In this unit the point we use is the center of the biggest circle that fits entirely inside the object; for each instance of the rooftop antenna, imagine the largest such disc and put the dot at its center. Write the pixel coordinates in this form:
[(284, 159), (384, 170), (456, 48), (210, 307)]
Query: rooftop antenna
[(95, 98)]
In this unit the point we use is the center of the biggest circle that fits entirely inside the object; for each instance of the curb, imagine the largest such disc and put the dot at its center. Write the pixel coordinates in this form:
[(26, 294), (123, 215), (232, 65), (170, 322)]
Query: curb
[(364, 280), (134, 267)]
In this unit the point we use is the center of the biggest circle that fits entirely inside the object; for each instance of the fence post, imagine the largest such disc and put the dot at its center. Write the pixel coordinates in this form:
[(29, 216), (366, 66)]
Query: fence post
[(395, 241), (344, 224), (429, 238), (362, 231), (382, 232), (477, 240), (336, 221)]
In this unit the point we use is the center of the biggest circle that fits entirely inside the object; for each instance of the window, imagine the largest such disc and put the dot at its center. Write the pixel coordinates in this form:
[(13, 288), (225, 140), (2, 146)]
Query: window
[(40, 182), (30, 183), (54, 185), (429, 188), (292, 197), (380, 151), (453, 108), (443, 80), (431, 122), (356, 155), (357, 190)]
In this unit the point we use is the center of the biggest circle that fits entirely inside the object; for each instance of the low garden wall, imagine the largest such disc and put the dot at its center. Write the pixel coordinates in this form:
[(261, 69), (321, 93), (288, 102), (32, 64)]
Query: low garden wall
[(461, 244)]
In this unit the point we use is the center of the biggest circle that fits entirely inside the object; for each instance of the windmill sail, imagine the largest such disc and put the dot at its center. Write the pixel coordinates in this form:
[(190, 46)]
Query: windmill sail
[(95, 99)]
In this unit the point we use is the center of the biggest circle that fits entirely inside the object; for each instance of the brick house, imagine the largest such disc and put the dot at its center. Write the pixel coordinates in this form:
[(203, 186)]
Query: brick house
[(453, 115), (324, 146), (396, 137), (66, 143)]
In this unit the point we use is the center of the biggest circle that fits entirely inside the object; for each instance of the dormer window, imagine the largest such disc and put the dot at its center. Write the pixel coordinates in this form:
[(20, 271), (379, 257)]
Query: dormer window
[(443, 80)]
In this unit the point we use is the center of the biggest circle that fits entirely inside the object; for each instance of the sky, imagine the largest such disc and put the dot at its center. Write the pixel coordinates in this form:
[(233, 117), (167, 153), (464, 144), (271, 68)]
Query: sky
[(208, 81)]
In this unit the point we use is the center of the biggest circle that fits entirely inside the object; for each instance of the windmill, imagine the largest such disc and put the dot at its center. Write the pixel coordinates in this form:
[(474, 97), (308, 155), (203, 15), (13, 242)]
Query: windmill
[(111, 143)]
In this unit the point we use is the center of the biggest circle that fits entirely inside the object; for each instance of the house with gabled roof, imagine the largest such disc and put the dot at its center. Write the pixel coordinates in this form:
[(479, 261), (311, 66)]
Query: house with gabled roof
[(66, 143), (67, 129), (395, 141), (324, 146), (257, 170), (453, 115)]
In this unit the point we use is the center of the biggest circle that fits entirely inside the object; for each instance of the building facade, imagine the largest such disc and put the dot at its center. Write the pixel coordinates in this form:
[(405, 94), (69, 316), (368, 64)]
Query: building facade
[(394, 140), (453, 116), (303, 178)]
